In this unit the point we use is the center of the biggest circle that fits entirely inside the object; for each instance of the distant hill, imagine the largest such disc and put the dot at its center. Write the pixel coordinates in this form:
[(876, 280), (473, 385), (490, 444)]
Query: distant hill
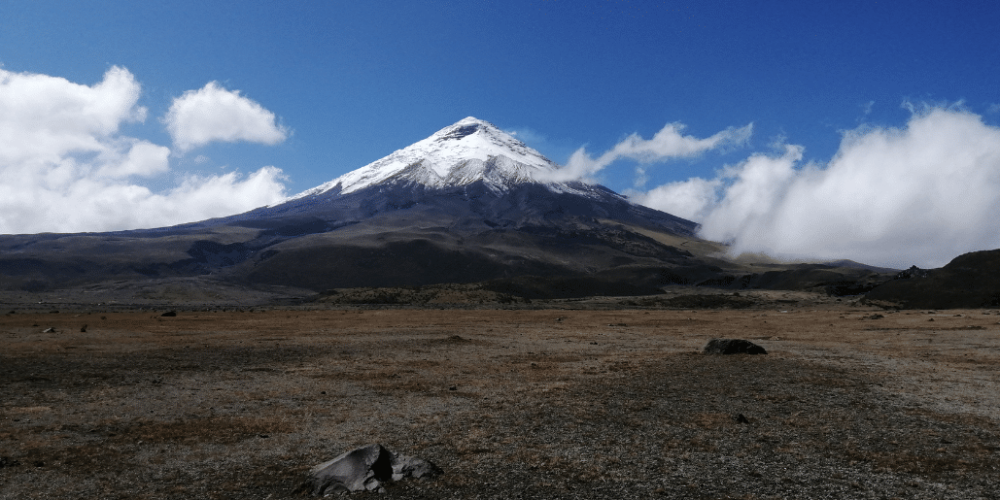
[(857, 265), (970, 280)]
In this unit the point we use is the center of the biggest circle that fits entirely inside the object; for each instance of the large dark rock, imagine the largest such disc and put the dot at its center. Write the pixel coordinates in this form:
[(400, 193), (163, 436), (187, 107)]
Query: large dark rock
[(733, 346), (365, 469)]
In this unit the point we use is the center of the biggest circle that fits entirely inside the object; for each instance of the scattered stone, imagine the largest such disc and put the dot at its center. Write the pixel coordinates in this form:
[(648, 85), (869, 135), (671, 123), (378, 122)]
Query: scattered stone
[(365, 469), (8, 462), (83, 329), (49, 330), (169, 314), (405, 466), (733, 346), (740, 419), (875, 316)]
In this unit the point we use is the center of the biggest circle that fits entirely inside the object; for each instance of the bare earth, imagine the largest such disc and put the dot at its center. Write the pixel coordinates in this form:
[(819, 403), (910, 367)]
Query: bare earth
[(550, 403)]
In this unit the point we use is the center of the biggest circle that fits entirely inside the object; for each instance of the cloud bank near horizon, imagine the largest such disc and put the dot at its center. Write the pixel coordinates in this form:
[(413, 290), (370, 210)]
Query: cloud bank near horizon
[(66, 167), (917, 195)]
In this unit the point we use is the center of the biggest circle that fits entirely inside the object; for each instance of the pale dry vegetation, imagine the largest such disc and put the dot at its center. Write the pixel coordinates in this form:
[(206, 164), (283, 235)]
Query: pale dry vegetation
[(510, 403)]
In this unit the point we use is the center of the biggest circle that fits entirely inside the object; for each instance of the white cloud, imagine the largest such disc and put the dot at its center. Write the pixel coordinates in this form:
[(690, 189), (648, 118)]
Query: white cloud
[(920, 195), (65, 167), (143, 159), (196, 198), (668, 143), (691, 199), (213, 113), (43, 118)]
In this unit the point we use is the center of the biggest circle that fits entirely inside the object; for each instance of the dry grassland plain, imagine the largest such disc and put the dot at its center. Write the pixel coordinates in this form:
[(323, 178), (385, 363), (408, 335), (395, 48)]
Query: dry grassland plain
[(510, 403)]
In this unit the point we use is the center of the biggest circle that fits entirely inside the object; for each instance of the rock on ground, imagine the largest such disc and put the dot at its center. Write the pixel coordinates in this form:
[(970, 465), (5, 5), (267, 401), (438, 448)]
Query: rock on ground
[(366, 469), (733, 346)]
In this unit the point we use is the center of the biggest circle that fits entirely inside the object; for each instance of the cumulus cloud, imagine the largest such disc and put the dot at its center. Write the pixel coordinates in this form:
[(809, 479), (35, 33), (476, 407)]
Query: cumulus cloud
[(142, 159), (43, 118), (213, 113), (666, 144), (921, 194), (66, 167), (691, 199), (100, 207)]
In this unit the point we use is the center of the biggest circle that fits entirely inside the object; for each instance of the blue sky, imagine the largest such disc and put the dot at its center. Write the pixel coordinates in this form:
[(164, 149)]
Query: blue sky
[(349, 82)]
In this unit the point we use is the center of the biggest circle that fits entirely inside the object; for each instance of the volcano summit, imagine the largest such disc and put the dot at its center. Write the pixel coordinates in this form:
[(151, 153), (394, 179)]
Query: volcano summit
[(469, 151)]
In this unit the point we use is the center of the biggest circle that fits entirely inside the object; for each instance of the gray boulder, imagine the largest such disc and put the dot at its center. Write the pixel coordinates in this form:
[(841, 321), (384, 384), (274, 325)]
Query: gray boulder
[(732, 346), (365, 469)]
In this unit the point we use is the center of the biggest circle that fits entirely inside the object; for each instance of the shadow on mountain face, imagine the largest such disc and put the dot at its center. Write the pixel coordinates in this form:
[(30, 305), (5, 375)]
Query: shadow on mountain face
[(36, 275), (650, 280), (817, 278), (970, 280), (578, 259), (403, 263), (433, 255)]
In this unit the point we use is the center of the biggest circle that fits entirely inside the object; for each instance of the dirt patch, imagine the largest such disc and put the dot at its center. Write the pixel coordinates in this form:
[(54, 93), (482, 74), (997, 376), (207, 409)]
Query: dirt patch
[(537, 403)]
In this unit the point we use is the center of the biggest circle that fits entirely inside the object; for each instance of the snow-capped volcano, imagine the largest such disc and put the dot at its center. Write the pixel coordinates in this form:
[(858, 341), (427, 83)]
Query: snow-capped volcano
[(467, 204), (471, 174), (471, 150)]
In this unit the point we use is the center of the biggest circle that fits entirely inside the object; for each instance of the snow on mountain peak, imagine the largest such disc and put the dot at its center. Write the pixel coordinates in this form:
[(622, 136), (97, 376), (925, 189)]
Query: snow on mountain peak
[(459, 154)]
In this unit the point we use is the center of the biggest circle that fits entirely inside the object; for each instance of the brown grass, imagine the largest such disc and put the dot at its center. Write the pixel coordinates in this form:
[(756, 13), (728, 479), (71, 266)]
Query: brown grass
[(598, 404)]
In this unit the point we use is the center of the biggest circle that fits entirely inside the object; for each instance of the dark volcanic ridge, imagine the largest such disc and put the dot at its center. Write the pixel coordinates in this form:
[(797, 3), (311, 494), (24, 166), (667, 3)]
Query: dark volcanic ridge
[(970, 280)]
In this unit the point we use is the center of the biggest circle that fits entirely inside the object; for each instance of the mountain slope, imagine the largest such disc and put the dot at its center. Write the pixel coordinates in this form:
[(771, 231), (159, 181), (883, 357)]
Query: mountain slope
[(469, 203), (474, 173)]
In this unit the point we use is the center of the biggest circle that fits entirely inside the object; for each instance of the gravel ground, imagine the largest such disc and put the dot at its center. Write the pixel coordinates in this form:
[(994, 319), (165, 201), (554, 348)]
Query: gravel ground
[(511, 404)]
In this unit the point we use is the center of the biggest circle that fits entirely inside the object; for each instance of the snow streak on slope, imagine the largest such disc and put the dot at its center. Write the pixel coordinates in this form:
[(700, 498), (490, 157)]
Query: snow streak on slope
[(469, 151)]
